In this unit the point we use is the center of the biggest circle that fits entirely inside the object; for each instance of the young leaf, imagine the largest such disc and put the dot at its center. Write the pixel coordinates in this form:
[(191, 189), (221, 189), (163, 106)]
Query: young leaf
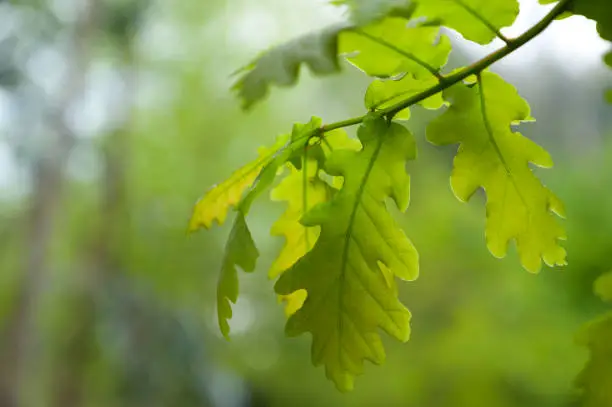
[(389, 47), (240, 251), (477, 20), (595, 380), (293, 149), (302, 190), (281, 64), (349, 296), (213, 206), (384, 93), (497, 159)]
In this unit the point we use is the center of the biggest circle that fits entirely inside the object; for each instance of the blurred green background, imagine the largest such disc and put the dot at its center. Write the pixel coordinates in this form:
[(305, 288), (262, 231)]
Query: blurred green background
[(115, 116)]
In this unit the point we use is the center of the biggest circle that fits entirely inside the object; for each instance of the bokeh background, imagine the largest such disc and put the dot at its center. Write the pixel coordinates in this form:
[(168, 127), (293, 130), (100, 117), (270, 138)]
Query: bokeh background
[(116, 115)]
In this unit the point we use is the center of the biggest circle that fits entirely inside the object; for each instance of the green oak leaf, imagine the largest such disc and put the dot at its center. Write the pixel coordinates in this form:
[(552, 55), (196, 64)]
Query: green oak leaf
[(348, 273), (475, 20), (240, 251), (390, 47), (497, 159), (281, 65), (595, 380)]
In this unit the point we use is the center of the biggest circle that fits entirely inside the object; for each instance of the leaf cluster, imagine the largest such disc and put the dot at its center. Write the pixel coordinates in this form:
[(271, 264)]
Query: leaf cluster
[(344, 252)]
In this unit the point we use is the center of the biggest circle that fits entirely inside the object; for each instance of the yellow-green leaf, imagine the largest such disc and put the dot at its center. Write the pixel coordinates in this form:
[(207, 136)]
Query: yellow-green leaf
[(349, 296), (497, 159), (213, 206), (240, 251)]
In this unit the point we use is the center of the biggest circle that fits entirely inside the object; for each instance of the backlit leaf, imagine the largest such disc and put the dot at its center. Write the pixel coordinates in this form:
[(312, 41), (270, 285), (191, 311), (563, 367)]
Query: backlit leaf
[(349, 296), (497, 159), (476, 20), (240, 251), (390, 47)]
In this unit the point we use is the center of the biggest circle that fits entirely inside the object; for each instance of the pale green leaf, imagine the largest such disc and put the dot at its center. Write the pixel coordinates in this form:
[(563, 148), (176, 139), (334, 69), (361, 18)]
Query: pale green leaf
[(390, 47), (476, 20), (497, 159), (240, 251), (281, 65), (349, 296)]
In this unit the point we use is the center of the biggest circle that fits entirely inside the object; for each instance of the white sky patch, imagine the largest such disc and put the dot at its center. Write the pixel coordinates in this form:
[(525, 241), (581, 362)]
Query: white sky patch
[(263, 24), (573, 42)]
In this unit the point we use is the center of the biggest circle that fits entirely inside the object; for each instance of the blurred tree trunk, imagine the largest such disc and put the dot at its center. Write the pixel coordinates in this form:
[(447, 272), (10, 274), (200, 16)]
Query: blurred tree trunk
[(21, 334), (109, 243)]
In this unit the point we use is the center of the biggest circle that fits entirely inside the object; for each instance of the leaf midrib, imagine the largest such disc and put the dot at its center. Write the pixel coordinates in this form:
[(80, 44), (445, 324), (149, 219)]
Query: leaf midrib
[(348, 236)]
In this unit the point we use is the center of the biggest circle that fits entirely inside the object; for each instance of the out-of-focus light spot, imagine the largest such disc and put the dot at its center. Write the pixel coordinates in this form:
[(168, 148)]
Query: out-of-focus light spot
[(160, 39), (8, 21), (226, 389), (267, 354), (255, 29), (243, 317), (68, 11), (10, 185), (6, 106), (84, 163), (103, 105), (47, 68)]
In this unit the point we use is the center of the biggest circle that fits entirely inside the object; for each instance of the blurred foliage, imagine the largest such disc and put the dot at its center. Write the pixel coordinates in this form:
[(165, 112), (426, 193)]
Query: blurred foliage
[(125, 310)]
